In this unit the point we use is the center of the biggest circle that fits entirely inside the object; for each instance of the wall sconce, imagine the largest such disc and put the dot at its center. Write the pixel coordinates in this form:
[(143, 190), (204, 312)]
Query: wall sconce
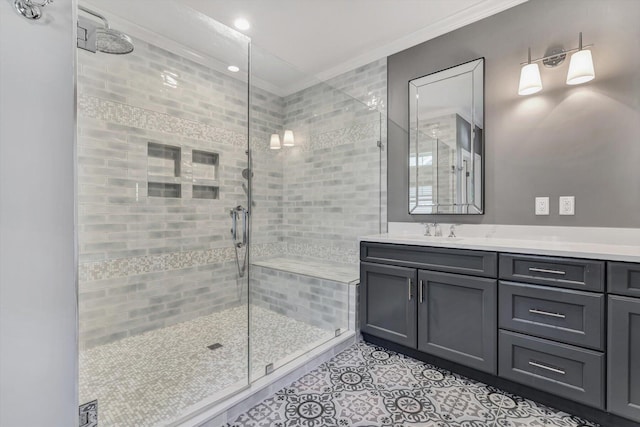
[(530, 81), (274, 144), (287, 140), (580, 68)]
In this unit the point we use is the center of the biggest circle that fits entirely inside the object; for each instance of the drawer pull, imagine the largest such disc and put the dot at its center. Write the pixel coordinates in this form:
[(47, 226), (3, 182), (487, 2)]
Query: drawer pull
[(548, 368), (421, 291), (409, 287), (547, 313), (544, 270)]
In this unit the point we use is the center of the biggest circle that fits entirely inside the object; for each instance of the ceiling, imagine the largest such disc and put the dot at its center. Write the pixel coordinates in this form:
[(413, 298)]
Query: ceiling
[(324, 38), (295, 43)]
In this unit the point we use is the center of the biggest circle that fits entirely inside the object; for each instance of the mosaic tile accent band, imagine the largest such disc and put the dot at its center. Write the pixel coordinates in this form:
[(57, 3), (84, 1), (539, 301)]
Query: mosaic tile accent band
[(119, 113), (124, 267), (133, 116)]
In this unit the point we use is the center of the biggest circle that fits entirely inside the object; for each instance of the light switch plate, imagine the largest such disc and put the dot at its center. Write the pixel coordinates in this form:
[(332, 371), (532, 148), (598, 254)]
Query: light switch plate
[(567, 205), (542, 206)]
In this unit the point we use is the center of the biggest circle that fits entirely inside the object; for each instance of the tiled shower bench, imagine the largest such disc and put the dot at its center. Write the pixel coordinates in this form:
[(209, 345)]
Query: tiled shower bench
[(318, 292)]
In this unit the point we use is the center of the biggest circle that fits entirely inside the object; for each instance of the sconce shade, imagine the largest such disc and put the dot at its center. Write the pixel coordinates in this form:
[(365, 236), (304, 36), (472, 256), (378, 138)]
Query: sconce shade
[(275, 142), (580, 68), (287, 139), (530, 81)]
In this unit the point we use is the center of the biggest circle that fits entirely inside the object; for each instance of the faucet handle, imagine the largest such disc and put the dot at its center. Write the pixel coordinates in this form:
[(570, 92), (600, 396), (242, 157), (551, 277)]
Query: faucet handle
[(427, 228)]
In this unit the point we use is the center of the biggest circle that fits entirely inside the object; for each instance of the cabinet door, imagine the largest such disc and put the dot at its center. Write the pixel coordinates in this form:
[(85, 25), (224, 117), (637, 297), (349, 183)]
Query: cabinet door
[(457, 318), (623, 351), (388, 302)]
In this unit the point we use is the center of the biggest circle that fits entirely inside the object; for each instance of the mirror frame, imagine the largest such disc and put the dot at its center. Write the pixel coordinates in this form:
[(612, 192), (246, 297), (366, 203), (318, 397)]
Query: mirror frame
[(481, 208)]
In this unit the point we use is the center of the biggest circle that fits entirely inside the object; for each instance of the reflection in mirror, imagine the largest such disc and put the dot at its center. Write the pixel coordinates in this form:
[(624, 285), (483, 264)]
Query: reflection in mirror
[(446, 141)]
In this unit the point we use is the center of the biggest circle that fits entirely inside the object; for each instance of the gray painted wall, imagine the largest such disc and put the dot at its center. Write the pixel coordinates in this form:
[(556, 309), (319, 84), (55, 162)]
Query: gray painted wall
[(580, 141), (38, 349)]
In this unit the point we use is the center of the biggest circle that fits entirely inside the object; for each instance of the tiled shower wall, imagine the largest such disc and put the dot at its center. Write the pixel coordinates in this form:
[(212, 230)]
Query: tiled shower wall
[(148, 262), (335, 180)]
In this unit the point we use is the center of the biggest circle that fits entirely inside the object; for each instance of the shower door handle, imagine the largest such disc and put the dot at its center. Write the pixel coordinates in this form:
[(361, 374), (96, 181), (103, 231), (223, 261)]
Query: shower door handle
[(234, 225), (245, 226)]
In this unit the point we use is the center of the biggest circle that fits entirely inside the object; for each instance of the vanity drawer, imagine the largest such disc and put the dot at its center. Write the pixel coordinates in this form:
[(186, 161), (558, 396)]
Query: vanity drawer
[(565, 315), (561, 369), (475, 263), (624, 278), (563, 272)]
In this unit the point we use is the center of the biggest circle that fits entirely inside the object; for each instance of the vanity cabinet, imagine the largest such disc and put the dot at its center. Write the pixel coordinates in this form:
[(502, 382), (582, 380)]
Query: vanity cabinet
[(426, 299), (552, 325), (387, 303), (457, 318), (568, 327), (623, 353)]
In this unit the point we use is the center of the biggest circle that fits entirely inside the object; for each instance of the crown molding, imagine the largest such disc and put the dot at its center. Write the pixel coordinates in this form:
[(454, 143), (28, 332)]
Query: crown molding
[(460, 19)]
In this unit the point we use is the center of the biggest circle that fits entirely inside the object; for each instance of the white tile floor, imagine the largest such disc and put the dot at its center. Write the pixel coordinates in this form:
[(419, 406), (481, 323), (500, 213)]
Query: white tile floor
[(152, 378)]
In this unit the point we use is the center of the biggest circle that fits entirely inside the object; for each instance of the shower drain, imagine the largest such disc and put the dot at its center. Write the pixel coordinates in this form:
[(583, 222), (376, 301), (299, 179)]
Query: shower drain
[(214, 346)]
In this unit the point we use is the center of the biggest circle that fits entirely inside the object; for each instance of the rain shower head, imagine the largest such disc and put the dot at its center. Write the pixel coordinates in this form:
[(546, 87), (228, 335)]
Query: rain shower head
[(113, 41), (105, 39)]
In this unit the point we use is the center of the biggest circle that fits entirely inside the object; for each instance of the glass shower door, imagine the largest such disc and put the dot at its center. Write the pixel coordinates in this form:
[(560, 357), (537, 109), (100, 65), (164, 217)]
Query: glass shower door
[(161, 149), (317, 186)]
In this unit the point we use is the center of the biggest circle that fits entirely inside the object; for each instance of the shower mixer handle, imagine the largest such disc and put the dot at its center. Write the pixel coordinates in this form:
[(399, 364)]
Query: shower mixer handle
[(234, 225), (235, 214), (245, 226)]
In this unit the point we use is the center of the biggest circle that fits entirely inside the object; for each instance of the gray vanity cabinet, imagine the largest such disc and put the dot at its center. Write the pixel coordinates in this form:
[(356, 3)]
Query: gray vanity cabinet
[(440, 301), (388, 303), (623, 353), (457, 318)]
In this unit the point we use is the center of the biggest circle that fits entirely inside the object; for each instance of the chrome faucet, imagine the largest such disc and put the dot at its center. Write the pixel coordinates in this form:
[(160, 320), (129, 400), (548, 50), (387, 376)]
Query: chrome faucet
[(437, 230), (427, 229)]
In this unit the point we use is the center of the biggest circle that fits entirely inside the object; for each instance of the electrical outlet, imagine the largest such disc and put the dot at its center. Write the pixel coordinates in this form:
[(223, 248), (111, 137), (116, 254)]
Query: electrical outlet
[(542, 206), (567, 205)]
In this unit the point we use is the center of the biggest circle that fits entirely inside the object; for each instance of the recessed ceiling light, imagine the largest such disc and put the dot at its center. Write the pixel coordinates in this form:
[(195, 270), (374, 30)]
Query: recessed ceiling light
[(233, 68), (241, 24)]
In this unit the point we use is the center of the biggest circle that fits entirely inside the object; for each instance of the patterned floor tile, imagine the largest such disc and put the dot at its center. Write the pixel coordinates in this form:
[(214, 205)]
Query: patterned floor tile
[(369, 386)]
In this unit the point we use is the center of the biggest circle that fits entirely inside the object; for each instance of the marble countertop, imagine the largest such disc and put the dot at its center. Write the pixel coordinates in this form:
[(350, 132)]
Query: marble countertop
[(525, 245)]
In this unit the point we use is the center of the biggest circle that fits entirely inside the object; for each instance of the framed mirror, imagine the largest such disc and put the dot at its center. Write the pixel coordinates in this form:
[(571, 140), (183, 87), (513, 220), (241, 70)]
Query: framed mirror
[(446, 141)]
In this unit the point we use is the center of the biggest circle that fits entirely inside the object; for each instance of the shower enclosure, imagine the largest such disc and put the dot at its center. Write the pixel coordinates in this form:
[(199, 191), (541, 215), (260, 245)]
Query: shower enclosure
[(208, 260)]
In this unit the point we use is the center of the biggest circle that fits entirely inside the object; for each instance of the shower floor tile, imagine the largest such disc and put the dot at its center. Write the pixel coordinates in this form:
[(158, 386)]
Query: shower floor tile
[(370, 386), (150, 379)]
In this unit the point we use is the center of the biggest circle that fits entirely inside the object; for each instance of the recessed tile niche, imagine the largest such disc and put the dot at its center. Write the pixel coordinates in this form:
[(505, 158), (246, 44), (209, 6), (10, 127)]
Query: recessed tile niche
[(205, 173), (163, 170), (205, 165), (165, 174), (164, 189), (205, 192), (164, 160)]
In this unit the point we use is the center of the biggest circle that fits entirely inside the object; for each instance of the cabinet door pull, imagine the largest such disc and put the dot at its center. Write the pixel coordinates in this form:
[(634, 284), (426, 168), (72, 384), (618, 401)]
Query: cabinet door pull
[(548, 368), (547, 313), (544, 270), (409, 287), (421, 291)]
